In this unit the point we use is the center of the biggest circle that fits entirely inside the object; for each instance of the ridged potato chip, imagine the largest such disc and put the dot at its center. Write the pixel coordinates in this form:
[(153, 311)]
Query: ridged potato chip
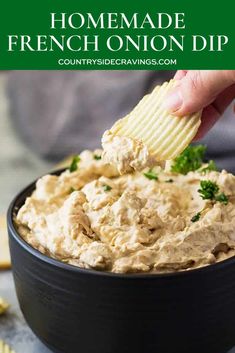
[(4, 348), (165, 135)]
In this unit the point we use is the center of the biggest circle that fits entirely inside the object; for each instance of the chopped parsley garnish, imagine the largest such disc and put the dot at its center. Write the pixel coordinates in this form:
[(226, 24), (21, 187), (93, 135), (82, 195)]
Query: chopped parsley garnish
[(196, 217), (169, 181), (72, 189), (222, 198), (210, 191), (97, 157), (210, 167), (74, 164), (107, 187), (189, 160), (151, 175)]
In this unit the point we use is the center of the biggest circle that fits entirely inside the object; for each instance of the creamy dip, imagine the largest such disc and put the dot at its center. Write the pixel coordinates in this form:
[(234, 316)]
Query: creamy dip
[(95, 218), (125, 153)]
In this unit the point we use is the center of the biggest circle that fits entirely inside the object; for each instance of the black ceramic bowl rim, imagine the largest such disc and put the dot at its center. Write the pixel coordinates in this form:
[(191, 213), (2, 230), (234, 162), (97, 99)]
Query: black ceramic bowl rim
[(72, 268)]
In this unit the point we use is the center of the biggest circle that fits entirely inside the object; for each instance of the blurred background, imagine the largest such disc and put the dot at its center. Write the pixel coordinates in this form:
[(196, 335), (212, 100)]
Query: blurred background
[(47, 115)]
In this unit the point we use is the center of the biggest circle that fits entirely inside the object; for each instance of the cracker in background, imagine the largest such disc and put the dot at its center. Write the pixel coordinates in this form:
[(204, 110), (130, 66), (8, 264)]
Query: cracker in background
[(3, 306), (5, 261), (165, 135), (4, 348)]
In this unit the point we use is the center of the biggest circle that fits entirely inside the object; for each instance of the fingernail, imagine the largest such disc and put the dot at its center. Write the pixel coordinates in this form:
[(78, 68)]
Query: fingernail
[(173, 102)]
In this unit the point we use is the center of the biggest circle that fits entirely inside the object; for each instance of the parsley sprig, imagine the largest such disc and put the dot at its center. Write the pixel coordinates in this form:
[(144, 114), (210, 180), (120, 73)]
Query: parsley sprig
[(151, 175), (74, 164), (190, 159), (209, 190), (209, 168), (222, 198)]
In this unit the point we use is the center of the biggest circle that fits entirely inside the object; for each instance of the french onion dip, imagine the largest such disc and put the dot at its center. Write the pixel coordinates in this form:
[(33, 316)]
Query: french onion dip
[(149, 221), (125, 153)]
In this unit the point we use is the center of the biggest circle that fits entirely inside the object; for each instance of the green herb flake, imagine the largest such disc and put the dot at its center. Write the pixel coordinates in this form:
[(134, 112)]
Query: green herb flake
[(209, 168), (97, 157), (190, 159), (71, 190), (210, 191), (74, 164), (169, 181), (222, 198), (107, 187), (196, 217), (151, 175)]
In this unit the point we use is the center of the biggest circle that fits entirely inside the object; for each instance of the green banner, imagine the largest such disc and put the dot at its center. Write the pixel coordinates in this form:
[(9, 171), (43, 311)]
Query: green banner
[(153, 35)]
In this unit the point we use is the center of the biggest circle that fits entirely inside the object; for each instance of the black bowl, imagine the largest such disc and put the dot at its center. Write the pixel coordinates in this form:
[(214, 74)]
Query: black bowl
[(74, 310)]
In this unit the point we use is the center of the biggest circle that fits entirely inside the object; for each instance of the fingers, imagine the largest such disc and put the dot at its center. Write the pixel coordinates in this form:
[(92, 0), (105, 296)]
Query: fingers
[(197, 89), (213, 112), (180, 74), (224, 99), (209, 118)]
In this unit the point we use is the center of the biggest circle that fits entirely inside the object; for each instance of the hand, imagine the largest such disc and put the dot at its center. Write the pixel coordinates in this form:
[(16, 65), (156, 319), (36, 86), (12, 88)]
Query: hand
[(210, 90)]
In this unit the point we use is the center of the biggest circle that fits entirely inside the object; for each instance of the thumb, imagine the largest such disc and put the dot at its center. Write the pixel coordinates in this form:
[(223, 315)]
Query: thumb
[(197, 89)]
